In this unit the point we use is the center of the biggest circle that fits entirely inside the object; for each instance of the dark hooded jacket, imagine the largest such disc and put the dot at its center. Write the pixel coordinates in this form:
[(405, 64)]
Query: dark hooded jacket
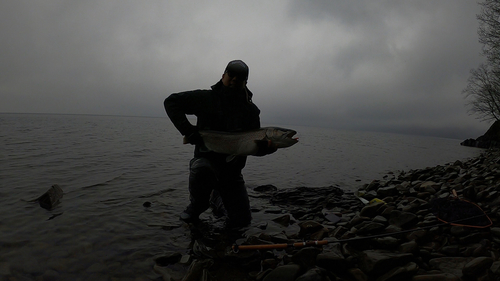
[(220, 108)]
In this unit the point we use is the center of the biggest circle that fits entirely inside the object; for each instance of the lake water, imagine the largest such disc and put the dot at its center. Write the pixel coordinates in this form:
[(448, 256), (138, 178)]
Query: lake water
[(108, 167)]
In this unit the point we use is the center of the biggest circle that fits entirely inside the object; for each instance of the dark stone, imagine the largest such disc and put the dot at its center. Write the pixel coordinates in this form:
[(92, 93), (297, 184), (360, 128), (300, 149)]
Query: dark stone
[(170, 258), (376, 263), (266, 188), (314, 274), (306, 257), (409, 247), (283, 220), (477, 266), (332, 262), (309, 227), (51, 198), (403, 219), (370, 210), (451, 265), (400, 273), (370, 228), (283, 273)]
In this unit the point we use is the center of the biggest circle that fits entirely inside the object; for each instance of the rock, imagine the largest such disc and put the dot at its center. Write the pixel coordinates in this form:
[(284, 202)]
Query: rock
[(400, 273), (314, 274), (376, 263), (169, 258), (50, 275), (165, 272), (287, 272), (357, 274), (402, 219), (387, 191), (370, 228), (436, 277), (409, 247), (309, 227), (266, 188), (477, 266), (451, 265), (306, 257), (283, 220), (332, 262), (97, 267), (51, 198), (370, 210), (387, 242), (495, 269)]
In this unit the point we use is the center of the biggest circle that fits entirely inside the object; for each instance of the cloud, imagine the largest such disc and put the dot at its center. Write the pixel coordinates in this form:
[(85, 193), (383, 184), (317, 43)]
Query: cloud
[(366, 65)]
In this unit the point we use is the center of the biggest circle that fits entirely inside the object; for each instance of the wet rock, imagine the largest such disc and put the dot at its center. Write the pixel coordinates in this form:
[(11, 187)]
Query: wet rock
[(51, 198), (436, 277), (409, 247), (387, 242), (309, 227), (451, 265), (357, 275), (371, 210), (370, 228), (306, 257), (283, 220), (387, 191), (402, 219), (165, 272), (314, 274), (168, 258), (495, 269), (287, 272), (266, 188), (400, 273), (477, 266), (333, 262), (97, 267), (51, 275), (375, 263)]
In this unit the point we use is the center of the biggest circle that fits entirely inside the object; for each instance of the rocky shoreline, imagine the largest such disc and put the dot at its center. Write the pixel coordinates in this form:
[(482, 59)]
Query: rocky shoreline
[(391, 229)]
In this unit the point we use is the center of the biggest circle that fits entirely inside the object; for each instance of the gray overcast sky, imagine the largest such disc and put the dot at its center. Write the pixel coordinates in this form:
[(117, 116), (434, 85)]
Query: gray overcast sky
[(381, 65)]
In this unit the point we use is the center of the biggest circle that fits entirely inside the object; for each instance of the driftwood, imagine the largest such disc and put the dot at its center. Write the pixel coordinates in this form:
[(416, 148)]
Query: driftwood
[(51, 198)]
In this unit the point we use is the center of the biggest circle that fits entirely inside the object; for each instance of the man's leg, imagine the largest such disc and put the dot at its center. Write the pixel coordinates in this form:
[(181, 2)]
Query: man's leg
[(202, 179), (235, 197)]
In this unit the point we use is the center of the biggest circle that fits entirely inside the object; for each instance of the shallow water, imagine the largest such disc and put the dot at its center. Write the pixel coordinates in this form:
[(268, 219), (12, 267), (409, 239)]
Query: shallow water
[(110, 166)]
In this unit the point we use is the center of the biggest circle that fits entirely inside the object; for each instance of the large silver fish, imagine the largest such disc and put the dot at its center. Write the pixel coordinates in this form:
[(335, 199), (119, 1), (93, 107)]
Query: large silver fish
[(245, 143)]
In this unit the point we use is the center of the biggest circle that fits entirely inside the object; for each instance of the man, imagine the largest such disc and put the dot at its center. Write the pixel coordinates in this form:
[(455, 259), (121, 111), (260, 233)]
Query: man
[(228, 107)]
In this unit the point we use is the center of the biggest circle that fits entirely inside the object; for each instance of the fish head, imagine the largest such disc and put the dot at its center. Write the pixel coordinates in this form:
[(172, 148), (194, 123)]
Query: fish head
[(281, 137)]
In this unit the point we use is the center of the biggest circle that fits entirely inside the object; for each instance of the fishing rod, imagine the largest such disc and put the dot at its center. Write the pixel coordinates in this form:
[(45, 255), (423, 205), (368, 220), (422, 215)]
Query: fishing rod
[(236, 248)]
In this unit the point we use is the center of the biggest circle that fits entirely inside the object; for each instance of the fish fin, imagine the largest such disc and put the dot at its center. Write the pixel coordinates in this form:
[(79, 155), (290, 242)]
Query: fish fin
[(230, 158)]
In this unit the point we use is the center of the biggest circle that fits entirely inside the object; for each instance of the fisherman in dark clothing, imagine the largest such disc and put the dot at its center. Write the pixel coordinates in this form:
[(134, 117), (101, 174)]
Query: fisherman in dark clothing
[(226, 107)]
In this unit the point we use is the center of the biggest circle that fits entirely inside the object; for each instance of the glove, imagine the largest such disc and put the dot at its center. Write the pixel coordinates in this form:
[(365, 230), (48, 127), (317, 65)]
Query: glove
[(265, 147), (193, 138)]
